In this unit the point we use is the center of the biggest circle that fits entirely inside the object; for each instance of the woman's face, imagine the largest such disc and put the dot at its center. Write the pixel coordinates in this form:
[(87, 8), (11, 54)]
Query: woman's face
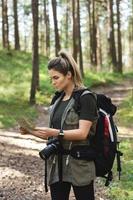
[(59, 81)]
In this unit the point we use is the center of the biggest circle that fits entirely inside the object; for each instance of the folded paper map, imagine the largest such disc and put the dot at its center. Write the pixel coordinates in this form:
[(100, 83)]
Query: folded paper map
[(26, 124)]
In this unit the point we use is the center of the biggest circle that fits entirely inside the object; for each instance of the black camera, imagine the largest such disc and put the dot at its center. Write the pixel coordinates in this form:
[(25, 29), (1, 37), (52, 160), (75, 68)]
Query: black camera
[(53, 147)]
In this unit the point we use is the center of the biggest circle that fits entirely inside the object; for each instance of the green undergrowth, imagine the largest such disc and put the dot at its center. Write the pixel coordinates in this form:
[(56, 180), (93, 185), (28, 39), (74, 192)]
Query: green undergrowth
[(15, 77), (105, 78), (123, 189), (125, 111), (11, 112)]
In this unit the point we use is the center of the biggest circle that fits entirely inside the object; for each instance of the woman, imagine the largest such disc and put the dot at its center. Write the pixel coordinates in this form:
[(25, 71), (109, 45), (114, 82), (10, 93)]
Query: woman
[(72, 128)]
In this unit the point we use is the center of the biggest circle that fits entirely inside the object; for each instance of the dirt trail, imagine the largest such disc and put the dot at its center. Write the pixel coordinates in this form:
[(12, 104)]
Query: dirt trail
[(22, 170), (118, 93)]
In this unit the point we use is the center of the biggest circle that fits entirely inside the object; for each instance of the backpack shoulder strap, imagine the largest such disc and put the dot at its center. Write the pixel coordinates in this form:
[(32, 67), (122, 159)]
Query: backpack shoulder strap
[(89, 92), (86, 92), (78, 94), (56, 96)]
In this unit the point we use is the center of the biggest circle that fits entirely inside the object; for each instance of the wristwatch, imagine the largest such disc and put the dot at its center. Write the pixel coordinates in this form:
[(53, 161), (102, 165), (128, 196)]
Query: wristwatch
[(61, 134)]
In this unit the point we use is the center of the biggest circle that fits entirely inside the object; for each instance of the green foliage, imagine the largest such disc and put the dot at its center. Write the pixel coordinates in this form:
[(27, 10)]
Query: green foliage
[(125, 112), (27, 9), (15, 76), (122, 190), (11, 111), (103, 78)]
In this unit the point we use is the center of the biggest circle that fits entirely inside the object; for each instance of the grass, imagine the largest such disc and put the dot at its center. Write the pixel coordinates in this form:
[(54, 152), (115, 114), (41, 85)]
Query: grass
[(125, 112), (15, 76), (122, 190), (11, 111), (104, 78)]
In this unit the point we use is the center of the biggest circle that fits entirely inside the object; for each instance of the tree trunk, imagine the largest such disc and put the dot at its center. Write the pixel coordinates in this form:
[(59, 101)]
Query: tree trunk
[(35, 56), (75, 30), (94, 36), (99, 49), (90, 30), (131, 38), (67, 24), (47, 27), (119, 67), (80, 42), (41, 34), (16, 29), (5, 27), (57, 39), (111, 38)]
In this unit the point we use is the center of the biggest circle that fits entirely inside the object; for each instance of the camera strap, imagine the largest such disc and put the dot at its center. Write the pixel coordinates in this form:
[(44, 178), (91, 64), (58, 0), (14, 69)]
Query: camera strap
[(60, 166), (60, 159), (46, 185)]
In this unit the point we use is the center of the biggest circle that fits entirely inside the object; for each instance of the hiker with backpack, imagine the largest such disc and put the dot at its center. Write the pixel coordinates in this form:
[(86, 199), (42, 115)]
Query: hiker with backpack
[(81, 137), (71, 128)]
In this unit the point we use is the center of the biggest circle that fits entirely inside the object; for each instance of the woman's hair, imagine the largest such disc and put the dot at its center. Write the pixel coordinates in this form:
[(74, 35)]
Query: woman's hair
[(65, 63)]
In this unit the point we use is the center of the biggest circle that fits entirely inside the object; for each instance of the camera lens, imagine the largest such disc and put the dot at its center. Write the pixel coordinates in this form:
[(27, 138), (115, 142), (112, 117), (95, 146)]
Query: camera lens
[(48, 151)]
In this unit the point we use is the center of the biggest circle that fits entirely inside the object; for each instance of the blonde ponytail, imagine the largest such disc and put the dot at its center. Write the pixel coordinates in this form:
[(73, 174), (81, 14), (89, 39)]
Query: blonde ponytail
[(76, 73)]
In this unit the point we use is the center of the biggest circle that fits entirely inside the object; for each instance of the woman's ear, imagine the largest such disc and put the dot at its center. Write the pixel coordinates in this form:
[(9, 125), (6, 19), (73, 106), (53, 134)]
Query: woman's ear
[(69, 74)]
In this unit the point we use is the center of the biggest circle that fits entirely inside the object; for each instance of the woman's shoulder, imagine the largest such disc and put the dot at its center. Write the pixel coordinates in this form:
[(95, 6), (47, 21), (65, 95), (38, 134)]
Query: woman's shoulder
[(83, 93), (88, 98)]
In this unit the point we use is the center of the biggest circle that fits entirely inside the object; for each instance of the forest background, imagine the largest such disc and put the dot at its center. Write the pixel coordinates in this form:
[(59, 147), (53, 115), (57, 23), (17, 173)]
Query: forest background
[(98, 33)]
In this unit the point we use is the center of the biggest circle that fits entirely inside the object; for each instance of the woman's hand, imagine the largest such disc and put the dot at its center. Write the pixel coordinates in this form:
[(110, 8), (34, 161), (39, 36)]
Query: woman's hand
[(41, 132), (23, 131), (46, 132)]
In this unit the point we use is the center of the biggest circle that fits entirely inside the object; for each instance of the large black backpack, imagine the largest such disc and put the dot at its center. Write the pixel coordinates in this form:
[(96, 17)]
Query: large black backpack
[(104, 144)]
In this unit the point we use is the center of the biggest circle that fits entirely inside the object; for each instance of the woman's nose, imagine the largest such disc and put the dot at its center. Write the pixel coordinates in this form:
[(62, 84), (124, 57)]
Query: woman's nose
[(53, 82)]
